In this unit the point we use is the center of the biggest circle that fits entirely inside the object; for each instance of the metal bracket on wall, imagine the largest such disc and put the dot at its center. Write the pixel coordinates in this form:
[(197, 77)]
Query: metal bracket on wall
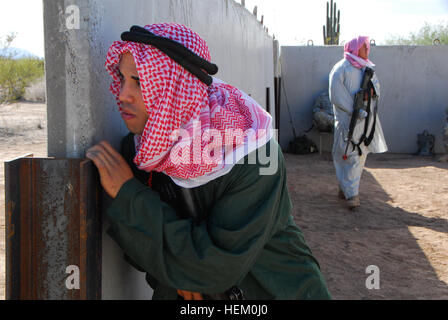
[(53, 229)]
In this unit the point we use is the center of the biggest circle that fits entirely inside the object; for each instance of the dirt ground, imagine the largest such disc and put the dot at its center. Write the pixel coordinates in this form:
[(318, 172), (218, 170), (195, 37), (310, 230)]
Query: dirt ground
[(23, 129), (401, 227)]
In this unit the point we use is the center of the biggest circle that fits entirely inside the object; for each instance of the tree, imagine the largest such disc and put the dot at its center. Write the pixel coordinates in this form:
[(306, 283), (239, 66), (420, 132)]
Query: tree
[(5, 44), (425, 36)]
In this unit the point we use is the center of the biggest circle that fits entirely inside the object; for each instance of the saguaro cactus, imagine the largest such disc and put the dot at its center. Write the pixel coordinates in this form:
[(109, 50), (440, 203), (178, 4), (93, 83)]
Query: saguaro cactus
[(331, 32)]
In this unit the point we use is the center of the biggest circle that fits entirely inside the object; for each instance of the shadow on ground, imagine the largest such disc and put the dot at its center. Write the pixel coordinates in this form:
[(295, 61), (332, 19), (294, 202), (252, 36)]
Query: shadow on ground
[(347, 242)]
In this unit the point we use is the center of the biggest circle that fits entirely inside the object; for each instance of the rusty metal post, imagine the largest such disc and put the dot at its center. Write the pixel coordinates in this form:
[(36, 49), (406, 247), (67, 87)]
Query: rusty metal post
[(53, 229)]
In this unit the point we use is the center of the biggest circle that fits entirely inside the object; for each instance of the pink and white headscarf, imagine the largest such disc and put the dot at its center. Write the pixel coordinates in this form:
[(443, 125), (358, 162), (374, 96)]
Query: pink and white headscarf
[(177, 101), (351, 51)]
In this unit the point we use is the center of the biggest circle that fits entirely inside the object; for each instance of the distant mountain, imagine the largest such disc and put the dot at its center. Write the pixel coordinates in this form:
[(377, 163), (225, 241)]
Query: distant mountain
[(17, 53)]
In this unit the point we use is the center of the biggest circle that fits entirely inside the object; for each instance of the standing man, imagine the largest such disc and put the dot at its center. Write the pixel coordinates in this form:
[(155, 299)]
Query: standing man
[(194, 204), (345, 81)]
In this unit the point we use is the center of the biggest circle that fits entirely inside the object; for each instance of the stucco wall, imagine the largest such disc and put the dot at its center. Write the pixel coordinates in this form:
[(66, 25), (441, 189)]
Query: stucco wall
[(81, 110), (414, 91)]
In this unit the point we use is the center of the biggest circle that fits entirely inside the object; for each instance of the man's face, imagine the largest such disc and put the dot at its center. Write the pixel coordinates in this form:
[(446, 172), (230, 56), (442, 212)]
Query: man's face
[(363, 52), (133, 109)]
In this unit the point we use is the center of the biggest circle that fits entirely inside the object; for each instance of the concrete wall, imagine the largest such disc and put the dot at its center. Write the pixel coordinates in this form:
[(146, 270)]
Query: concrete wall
[(414, 91), (82, 111)]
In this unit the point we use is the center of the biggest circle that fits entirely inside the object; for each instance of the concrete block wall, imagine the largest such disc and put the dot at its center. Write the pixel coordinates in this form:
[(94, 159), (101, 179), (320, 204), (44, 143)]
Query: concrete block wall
[(414, 91), (82, 111)]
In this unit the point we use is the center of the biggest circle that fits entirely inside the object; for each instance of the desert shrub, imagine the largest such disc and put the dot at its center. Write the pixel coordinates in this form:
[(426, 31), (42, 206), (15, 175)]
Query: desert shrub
[(16, 75), (425, 36)]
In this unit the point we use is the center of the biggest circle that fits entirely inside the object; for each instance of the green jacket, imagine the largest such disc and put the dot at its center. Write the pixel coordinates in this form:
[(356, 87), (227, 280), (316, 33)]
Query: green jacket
[(248, 237)]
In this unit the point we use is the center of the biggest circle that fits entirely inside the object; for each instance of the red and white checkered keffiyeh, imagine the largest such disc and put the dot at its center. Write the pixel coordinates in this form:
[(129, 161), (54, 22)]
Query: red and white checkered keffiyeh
[(178, 102), (351, 52)]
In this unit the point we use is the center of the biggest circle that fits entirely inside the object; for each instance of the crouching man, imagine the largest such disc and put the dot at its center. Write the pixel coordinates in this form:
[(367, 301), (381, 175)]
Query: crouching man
[(190, 208)]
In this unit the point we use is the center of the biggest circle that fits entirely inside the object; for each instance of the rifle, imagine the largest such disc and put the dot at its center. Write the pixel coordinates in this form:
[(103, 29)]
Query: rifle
[(358, 104)]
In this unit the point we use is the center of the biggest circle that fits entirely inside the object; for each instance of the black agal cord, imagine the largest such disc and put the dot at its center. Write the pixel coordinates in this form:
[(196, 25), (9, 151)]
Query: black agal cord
[(193, 63)]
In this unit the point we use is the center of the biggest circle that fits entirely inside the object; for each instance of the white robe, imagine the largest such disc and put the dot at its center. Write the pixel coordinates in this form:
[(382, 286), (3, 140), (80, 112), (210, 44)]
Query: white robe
[(345, 82)]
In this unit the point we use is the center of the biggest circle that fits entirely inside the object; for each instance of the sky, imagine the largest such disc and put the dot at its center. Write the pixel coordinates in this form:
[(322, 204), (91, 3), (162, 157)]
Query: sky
[(293, 22), (25, 18)]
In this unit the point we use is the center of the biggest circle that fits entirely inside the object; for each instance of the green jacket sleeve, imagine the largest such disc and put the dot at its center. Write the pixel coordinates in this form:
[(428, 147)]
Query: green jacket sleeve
[(216, 254)]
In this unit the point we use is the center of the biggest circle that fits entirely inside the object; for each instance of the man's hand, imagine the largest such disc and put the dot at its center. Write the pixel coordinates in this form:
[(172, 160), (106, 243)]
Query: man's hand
[(362, 114), (113, 169)]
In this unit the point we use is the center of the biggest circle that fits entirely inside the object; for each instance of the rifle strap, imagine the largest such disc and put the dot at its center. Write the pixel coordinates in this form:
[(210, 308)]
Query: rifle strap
[(372, 132), (364, 138)]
